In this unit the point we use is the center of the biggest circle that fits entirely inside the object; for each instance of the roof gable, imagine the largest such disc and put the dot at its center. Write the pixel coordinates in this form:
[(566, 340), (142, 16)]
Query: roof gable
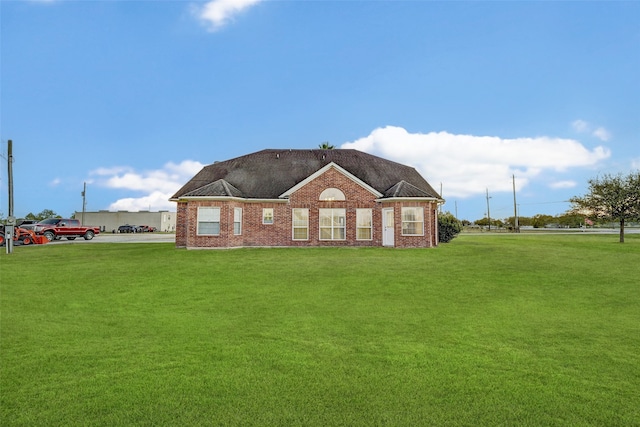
[(404, 189), (219, 188), (322, 171)]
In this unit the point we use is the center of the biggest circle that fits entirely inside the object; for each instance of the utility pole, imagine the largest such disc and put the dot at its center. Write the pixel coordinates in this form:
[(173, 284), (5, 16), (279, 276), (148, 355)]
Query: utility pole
[(11, 220), (488, 212), (84, 202), (516, 226)]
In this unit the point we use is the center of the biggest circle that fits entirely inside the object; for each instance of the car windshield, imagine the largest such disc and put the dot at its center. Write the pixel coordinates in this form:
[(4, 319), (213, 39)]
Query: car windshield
[(50, 221)]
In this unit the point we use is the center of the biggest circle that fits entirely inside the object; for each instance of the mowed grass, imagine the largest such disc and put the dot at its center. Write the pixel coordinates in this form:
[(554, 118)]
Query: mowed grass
[(486, 330)]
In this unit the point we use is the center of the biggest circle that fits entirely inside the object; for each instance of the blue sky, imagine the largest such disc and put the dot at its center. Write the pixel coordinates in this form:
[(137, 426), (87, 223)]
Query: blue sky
[(134, 97)]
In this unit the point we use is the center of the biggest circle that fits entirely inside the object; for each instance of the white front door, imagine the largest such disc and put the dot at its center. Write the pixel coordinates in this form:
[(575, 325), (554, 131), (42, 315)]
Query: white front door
[(388, 238)]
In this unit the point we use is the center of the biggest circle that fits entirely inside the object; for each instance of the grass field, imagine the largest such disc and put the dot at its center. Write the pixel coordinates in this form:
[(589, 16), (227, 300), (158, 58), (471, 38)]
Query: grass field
[(487, 330)]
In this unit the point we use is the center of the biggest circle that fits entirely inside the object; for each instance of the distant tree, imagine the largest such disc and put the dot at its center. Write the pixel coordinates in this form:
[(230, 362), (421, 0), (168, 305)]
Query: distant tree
[(448, 227), (47, 213), (612, 198), (541, 220), (483, 222), (571, 220), (525, 221), (326, 146)]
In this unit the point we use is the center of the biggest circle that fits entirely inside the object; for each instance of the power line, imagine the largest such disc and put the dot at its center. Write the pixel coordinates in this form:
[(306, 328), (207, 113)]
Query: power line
[(545, 203)]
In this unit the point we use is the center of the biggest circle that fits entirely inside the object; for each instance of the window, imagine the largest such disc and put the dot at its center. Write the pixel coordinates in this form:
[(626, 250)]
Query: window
[(300, 224), (208, 221), (332, 194), (267, 216), (412, 222), (332, 224), (363, 224), (237, 221)]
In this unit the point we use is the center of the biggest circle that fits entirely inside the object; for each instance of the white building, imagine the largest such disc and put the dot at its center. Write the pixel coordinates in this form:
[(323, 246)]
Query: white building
[(109, 221)]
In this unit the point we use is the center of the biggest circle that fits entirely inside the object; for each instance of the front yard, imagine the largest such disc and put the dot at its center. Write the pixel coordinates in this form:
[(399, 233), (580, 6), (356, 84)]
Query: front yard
[(486, 330)]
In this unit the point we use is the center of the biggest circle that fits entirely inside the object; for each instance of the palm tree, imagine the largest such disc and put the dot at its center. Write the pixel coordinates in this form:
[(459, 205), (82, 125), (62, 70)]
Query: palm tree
[(326, 146)]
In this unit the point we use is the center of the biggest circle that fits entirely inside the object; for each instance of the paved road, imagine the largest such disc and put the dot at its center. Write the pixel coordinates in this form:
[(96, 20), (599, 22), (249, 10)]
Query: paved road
[(123, 238)]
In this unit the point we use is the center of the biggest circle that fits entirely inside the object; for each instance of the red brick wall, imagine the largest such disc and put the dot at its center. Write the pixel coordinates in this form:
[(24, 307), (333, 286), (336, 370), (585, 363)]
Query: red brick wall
[(356, 197), (255, 233), (181, 225)]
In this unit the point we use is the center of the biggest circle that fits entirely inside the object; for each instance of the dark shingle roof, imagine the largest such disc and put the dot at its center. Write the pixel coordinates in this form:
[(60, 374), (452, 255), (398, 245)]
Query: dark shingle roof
[(404, 189), (218, 188), (267, 174)]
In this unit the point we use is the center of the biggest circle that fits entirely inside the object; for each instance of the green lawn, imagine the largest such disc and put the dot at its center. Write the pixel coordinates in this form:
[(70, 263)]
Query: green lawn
[(486, 330)]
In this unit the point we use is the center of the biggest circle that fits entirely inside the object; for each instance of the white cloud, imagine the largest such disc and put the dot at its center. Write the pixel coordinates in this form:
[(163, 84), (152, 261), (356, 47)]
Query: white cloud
[(602, 134), (635, 163), (466, 164), (156, 185), (55, 182), (582, 126), (562, 184), (156, 200), (217, 13)]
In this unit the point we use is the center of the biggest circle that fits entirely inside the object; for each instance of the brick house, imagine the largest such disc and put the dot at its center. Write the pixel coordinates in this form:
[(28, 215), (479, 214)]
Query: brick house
[(307, 198)]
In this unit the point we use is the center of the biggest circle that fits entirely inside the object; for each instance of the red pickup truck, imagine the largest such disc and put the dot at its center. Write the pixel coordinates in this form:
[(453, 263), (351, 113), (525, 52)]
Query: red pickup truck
[(56, 228)]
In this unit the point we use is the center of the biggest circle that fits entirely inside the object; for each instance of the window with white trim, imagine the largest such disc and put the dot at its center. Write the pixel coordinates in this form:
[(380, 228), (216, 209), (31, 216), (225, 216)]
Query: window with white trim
[(412, 221), (331, 194), (332, 224), (364, 224), (237, 221), (208, 221), (267, 215), (300, 220)]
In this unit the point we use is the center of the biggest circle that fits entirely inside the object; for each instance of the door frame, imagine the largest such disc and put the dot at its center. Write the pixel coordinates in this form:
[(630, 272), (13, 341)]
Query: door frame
[(388, 232)]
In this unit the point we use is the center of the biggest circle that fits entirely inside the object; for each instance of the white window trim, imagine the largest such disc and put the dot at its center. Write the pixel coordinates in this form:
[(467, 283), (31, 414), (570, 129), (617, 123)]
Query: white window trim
[(415, 222), (370, 227), (333, 227), (272, 216), (332, 194), (293, 226), (201, 211), (237, 212)]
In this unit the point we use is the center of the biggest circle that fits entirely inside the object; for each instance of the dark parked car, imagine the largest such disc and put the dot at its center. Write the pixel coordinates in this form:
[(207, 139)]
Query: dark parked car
[(146, 229), (127, 229)]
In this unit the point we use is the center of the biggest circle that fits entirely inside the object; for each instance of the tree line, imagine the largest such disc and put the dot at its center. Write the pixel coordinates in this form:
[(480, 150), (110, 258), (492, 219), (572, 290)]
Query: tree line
[(565, 220)]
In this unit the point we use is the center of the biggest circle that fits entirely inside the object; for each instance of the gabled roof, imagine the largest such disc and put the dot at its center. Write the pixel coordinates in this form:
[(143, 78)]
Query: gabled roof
[(269, 174), (404, 189), (217, 188)]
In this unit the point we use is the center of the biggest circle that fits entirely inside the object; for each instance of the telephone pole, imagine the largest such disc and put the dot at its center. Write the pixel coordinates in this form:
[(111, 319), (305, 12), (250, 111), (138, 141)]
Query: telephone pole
[(11, 220), (84, 202), (516, 226), (488, 212)]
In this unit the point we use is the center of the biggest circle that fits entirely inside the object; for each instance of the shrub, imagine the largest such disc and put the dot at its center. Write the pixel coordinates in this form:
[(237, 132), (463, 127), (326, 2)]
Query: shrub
[(448, 227)]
